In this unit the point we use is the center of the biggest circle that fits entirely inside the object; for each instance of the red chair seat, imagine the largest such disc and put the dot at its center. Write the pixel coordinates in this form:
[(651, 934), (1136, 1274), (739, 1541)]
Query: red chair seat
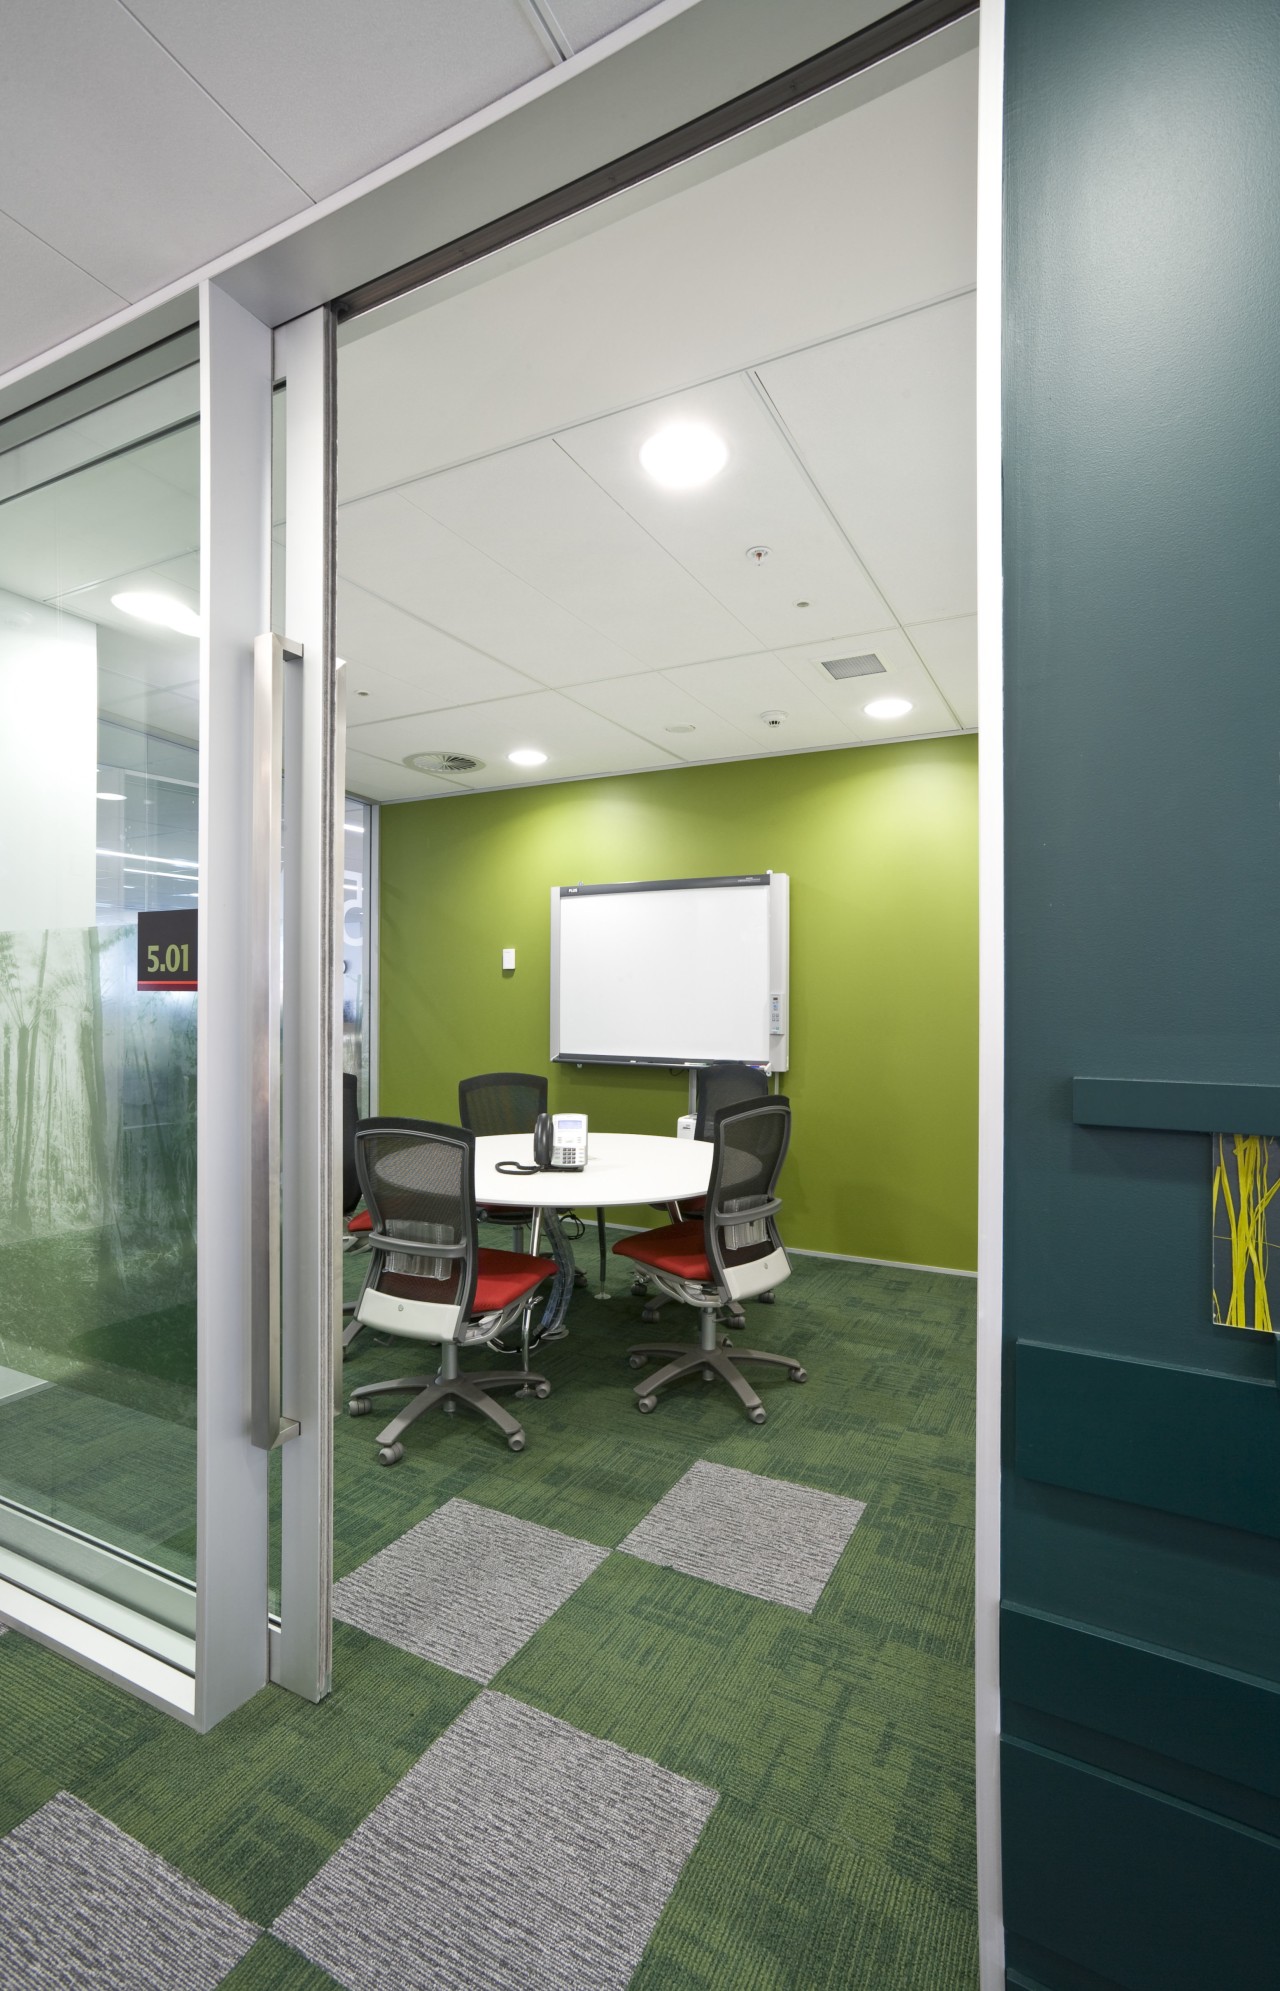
[(676, 1248), (504, 1276), (362, 1221)]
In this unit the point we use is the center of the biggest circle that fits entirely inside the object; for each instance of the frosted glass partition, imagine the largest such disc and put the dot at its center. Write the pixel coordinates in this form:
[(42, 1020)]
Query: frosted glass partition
[(99, 790)]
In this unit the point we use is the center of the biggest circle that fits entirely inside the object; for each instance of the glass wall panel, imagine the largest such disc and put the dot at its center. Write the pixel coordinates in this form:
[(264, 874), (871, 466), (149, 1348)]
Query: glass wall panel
[(99, 794)]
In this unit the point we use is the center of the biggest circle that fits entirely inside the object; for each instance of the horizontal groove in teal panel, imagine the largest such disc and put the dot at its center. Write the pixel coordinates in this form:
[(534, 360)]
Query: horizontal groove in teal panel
[(1183, 1440), (1185, 1106), (1143, 1889), (1189, 1709)]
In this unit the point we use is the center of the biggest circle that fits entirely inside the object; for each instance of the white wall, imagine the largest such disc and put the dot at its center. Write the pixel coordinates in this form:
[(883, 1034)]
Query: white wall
[(48, 767)]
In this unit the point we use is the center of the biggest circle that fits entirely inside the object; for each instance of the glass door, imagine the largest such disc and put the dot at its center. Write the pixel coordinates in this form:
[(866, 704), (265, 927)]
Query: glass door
[(99, 963), (170, 1000)]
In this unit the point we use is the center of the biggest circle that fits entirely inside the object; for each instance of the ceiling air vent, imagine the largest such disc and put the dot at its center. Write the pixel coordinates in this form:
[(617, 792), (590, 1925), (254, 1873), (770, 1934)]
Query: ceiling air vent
[(443, 763), (868, 666)]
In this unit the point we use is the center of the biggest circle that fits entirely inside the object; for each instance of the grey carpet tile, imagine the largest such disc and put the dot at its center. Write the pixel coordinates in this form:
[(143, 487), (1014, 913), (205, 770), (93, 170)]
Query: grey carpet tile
[(766, 1537), (466, 1588), (83, 1907), (517, 1855)]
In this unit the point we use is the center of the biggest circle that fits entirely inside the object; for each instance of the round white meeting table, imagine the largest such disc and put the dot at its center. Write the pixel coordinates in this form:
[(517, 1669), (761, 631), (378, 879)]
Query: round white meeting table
[(621, 1168)]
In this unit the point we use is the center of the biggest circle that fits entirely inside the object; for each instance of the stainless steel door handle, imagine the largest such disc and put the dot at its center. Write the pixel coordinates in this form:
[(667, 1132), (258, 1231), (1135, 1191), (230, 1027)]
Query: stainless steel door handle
[(267, 1427)]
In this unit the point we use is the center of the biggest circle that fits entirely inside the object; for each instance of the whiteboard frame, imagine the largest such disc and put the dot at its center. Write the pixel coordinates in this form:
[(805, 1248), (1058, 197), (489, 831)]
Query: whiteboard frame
[(779, 890)]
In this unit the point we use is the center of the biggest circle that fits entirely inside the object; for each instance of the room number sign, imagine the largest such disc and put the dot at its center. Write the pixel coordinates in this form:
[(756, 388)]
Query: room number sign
[(167, 950)]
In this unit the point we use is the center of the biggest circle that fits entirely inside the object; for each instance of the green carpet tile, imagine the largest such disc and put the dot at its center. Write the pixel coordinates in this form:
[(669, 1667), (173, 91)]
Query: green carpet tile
[(841, 1853)]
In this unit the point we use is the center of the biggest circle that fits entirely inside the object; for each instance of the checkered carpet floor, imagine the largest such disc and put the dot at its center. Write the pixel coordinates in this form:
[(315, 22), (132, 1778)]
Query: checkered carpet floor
[(668, 1702)]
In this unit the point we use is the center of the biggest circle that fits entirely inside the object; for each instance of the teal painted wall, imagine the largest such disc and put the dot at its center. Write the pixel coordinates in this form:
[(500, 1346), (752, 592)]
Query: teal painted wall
[(1142, 568), (881, 847)]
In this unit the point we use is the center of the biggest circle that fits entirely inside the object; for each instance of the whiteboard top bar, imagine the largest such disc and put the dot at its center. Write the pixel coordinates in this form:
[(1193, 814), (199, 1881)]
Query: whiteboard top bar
[(666, 884)]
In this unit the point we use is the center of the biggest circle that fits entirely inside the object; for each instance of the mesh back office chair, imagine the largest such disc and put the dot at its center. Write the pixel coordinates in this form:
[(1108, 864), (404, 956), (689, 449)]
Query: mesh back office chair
[(429, 1280), (503, 1103), (727, 1255), (715, 1086)]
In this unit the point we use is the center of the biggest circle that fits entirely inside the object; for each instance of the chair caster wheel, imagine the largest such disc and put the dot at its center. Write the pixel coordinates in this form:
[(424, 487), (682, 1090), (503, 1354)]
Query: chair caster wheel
[(799, 1375), (725, 1341), (766, 1299), (542, 1389), (650, 1313), (359, 1406), (644, 1404), (515, 1442), (390, 1455), (635, 1361), (639, 1287), (708, 1375), (756, 1416)]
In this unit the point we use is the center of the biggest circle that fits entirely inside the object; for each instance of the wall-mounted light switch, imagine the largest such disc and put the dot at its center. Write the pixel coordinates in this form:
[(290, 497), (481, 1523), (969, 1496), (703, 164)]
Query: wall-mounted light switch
[(508, 960)]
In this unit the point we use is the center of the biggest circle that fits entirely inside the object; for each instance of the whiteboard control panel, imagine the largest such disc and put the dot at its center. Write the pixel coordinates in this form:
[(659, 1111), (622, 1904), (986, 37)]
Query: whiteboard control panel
[(672, 971)]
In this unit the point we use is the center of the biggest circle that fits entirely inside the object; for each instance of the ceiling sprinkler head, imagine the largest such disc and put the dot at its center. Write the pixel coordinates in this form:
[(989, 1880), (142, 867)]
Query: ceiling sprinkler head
[(773, 718), (757, 555)]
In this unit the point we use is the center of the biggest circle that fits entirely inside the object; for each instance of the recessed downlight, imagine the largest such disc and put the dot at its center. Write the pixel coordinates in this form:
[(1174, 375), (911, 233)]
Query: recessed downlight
[(888, 708), (527, 757), (165, 611), (109, 795), (682, 455)]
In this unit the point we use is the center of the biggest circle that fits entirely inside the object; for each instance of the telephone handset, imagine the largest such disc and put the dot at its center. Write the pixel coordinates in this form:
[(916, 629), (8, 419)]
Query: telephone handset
[(559, 1141)]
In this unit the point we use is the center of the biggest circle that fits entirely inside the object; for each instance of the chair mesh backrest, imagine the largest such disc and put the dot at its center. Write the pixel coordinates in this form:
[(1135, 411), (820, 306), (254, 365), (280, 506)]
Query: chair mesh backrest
[(350, 1115), (751, 1140), (725, 1085), (417, 1181), (502, 1102)]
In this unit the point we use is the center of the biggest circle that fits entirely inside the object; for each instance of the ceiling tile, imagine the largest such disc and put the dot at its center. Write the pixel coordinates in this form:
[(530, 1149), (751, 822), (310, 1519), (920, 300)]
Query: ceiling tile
[(575, 741), (950, 651), (865, 216), (134, 656), (105, 523), (742, 689), (536, 513), (387, 781), (760, 498), (173, 712), (112, 153), (585, 21), (885, 423), (653, 704), (394, 550), (331, 90), (435, 669), (904, 677), (374, 694), (45, 298)]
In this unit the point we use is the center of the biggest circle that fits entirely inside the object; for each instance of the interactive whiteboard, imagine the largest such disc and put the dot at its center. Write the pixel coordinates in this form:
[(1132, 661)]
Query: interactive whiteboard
[(673, 971)]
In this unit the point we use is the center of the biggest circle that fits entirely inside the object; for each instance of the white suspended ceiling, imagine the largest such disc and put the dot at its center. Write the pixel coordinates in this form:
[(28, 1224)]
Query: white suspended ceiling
[(509, 576), (139, 141)]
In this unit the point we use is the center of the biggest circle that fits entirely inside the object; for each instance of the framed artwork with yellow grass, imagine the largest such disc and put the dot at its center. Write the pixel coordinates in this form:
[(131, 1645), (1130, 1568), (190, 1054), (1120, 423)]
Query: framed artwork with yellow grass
[(1246, 1232)]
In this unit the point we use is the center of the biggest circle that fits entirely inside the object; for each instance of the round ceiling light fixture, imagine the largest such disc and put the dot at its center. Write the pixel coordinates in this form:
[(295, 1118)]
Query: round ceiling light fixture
[(527, 757), (442, 763), (165, 611), (888, 708), (682, 455)]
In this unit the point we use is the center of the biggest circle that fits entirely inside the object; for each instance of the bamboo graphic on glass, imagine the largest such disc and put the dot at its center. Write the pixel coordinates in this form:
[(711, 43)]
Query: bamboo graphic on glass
[(1246, 1223)]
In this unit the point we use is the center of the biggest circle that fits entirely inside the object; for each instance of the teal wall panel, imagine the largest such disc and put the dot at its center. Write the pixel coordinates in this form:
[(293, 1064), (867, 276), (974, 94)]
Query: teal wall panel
[(1223, 1722), (1142, 597), (1088, 1863), (1177, 1105), (1185, 1440)]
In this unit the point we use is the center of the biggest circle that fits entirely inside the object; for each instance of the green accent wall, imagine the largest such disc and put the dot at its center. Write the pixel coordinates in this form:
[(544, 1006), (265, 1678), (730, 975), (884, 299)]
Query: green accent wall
[(881, 847)]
